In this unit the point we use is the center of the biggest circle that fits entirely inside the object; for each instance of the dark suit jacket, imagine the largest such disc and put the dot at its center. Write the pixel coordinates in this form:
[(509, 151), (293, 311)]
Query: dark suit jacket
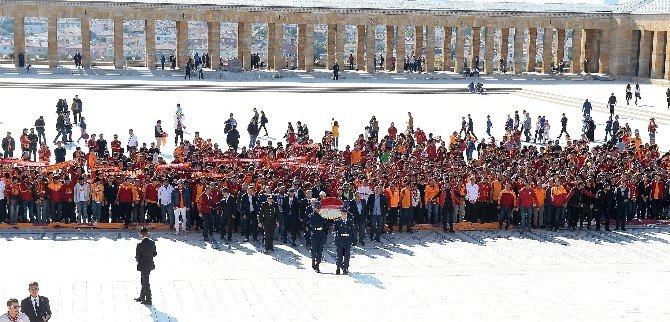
[(43, 309), (382, 203), (144, 254), (359, 217), (244, 205), (228, 206)]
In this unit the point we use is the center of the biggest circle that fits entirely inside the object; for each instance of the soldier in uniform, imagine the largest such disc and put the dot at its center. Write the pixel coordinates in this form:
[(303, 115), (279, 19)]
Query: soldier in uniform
[(317, 226), (344, 232)]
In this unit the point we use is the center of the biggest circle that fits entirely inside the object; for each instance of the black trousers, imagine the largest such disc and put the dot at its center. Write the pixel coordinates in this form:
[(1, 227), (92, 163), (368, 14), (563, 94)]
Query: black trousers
[(125, 209), (145, 292), (343, 245), (153, 212), (206, 225), (250, 227), (318, 240), (3, 209), (229, 223), (290, 224), (269, 237)]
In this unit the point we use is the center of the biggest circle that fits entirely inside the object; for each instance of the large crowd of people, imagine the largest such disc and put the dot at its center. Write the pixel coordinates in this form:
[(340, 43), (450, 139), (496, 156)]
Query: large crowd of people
[(390, 179)]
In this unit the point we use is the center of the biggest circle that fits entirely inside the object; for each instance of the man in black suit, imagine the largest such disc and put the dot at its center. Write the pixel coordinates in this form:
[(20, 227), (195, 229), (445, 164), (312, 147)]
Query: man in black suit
[(249, 209), (144, 254), (359, 209), (228, 207), (34, 306), (290, 210)]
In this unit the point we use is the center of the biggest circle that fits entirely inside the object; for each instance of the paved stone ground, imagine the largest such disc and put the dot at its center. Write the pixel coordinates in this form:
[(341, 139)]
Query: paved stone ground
[(466, 276)]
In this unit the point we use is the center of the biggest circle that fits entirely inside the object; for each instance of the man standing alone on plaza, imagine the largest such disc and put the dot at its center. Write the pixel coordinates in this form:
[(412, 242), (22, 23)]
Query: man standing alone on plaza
[(144, 254), (36, 307)]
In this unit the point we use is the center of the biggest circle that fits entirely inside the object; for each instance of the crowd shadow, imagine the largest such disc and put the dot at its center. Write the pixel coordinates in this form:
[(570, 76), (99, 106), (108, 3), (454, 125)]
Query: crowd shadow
[(404, 244)]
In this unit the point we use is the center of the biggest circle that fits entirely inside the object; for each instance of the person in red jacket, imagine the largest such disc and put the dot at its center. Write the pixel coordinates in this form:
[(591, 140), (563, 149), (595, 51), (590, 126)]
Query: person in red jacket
[(506, 203), (559, 198), (125, 200), (67, 200), (151, 197), (527, 202)]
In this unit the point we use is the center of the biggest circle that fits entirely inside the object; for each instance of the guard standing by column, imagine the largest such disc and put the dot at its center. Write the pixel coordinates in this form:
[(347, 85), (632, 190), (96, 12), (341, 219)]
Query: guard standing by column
[(316, 224), (344, 230)]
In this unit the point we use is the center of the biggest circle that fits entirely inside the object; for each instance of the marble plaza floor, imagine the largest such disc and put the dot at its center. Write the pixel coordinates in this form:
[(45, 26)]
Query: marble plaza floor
[(426, 276)]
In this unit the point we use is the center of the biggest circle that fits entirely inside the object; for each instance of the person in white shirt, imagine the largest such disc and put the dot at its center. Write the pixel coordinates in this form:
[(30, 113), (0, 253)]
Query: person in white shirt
[(471, 194), (132, 140), (365, 190), (165, 201), (13, 314), (82, 198)]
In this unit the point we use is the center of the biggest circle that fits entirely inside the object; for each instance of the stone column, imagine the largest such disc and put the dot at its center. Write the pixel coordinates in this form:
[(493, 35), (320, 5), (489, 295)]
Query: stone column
[(330, 46), (19, 40), (246, 48), (390, 35), (339, 46), (560, 45), (418, 42), (400, 50), (240, 42), (658, 46), (430, 49), (667, 56), (645, 54), (309, 47), (518, 49), (52, 40), (150, 32), (604, 57), (214, 43), (182, 43), (446, 49), (576, 63), (459, 56), (370, 50), (277, 46), (85, 42), (489, 43), (271, 45), (532, 50), (504, 46), (547, 43), (302, 41), (360, 46), (475, 46), (118, 42)]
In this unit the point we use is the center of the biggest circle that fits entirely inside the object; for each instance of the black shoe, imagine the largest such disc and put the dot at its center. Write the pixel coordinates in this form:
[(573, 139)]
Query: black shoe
[(146, 302), (623, 229), (377, 240), (139, 299), (317, 269), (346, 271), (337, 272)]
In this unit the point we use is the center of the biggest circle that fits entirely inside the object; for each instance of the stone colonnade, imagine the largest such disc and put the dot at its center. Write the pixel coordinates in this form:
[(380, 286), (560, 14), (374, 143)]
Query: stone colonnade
[(618, 45)]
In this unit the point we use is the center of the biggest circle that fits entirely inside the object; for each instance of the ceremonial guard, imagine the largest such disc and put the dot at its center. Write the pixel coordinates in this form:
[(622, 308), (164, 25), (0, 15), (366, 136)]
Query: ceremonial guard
[(327, 209), (344, 232), (318, 238)]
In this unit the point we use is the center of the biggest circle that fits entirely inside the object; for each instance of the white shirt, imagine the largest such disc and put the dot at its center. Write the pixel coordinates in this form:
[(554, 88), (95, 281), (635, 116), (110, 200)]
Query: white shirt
[(472, 192), (165, 195), (34, 300), (132, 141), (2, 189), (22, 318)]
